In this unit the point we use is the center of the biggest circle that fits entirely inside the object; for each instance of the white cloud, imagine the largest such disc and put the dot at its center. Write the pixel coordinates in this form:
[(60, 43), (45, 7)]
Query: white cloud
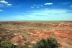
[(48, 3), (35, 6), (5, 3), (9, 4)]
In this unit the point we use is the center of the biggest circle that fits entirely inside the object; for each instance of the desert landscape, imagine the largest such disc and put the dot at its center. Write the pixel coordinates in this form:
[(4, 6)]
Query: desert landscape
[(21, 33)]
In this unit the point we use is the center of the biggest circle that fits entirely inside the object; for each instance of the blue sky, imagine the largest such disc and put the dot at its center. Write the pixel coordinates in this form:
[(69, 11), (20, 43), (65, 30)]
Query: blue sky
[(43, 10)]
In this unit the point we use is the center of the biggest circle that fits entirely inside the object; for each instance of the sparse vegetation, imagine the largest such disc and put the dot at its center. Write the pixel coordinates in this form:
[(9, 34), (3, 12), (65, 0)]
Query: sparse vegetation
[(6, 44), (47, 43)]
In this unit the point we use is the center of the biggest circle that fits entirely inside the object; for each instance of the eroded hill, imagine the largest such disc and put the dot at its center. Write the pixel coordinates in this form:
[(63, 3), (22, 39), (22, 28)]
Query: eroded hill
[(20, 33)]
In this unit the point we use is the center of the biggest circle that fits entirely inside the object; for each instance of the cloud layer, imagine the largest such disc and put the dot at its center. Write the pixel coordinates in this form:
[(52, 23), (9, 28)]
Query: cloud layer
[(41, 5), (4, 3), (47, 15), (50, 3)]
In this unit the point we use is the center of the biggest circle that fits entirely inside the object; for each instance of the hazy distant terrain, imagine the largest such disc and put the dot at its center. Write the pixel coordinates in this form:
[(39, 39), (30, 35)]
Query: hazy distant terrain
[(31, 32)]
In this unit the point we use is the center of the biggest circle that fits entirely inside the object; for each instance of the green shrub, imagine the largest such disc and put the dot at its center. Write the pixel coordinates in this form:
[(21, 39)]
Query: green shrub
[(48, 43), (6, 44)]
